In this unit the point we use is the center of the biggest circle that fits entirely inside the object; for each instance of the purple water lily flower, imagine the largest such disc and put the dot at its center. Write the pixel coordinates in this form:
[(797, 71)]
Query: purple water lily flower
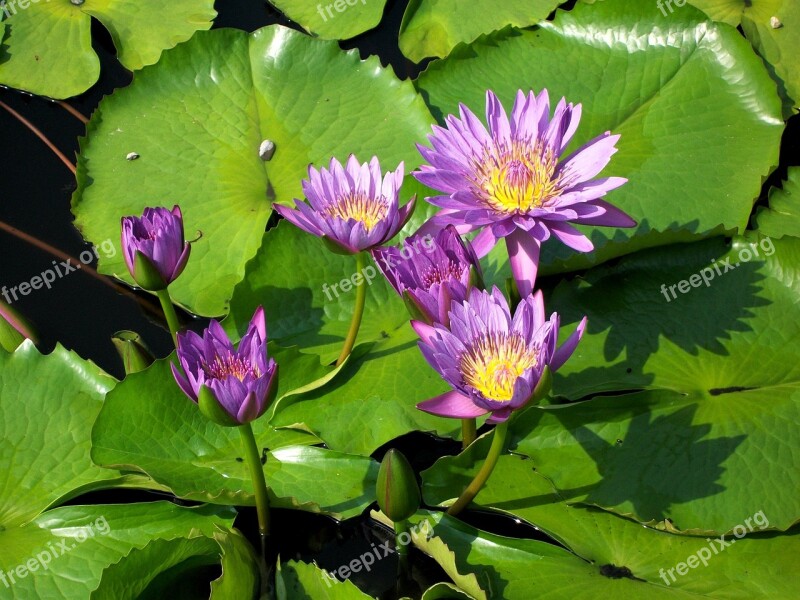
[(493, 361), (512, 183), (430, 272), (154, 247), (241, 382), (353, 208)]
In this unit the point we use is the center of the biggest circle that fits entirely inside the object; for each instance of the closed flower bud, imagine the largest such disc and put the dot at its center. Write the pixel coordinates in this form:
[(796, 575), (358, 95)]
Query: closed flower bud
[(397, 488)]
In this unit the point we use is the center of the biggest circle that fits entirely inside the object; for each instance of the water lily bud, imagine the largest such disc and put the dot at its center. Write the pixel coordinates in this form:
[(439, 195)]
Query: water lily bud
[(154, 247), (232, 386), (132, 350), (397, 488), (13, 328)]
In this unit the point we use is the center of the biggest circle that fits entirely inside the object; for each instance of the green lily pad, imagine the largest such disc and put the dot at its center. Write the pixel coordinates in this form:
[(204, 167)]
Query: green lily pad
[(68, 552), (724, 378), (47, 407), (48, 46), (783, 215), (299, 283), (435, 27), (333, 19), (772, 28), (197, 132), (373, 400), (303, 581), (698, 114), (619, 552), (148, 425), (163, 566)]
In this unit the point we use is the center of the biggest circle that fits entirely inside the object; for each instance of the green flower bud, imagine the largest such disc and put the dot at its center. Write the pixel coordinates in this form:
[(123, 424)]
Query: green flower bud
[(397, 488)]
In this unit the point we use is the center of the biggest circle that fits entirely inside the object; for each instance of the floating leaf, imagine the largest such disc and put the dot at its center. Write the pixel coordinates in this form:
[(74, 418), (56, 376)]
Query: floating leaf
[(620, 554), (47, 407), (197, 120), (148, 425), (783, 215), (48, 46), (67, 552), (435, 27), (333, 19)]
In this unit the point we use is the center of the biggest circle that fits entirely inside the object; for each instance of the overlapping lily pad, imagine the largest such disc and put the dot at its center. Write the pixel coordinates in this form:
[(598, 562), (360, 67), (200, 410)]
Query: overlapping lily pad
[(722, 369), (621, 555), (197, 120), (783, 215), (432, 28), (68, 552), (373, 400), (148, 425), (47, 407), (47, 49), (333, 19), (773, 27), (699, 117)]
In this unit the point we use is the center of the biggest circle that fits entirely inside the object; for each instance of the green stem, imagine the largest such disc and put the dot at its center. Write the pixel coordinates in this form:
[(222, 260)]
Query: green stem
[(355, 323), (498, 443), (253, 458), (401, 527), (170, 314), (469, 430)]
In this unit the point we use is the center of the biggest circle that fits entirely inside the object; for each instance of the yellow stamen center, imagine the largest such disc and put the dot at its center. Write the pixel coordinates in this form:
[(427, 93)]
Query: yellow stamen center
[(493, 365), (440, 273), (361, 208), (518, 178), (224, 367)]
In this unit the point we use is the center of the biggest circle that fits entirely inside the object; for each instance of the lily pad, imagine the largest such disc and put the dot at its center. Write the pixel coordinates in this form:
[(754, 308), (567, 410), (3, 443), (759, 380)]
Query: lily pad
[(698, 114), (47, 407), (68, 552), (619, 552), (773, 27), (333, 19), (722, 369), (373, 400), (303, 581), (149, 426), (783, 215), (197, 120), (432, 28), (48, 46)]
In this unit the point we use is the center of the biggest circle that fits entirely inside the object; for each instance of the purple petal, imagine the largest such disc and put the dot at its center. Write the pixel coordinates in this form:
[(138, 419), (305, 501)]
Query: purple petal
[(452, 404), (568, 347), (571, 236), (523, 254)]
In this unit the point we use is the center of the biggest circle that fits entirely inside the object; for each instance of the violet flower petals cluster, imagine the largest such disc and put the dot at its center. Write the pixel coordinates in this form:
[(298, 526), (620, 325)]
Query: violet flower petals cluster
[(493, 360), (243, 381), (353, 207), (154, 247), (429, 281), (510, 180)]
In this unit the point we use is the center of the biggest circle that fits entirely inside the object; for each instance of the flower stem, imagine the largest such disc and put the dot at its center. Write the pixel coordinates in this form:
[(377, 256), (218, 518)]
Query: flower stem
[(253, 458), (355, 323), (498, 443), (170, 314), (401, 527), (469, 430)]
